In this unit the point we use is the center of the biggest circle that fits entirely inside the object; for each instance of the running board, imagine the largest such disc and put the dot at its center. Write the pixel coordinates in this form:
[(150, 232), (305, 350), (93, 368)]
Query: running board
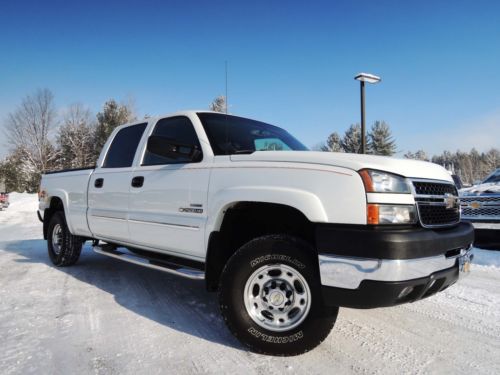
[(157, 264)]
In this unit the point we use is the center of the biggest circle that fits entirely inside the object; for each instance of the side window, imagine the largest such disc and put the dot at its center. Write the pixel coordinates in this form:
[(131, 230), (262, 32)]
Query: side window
[(181, 131), (122, 150)]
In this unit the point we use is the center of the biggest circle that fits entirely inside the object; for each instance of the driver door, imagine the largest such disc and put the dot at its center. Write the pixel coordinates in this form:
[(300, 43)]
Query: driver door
[(167, 207)]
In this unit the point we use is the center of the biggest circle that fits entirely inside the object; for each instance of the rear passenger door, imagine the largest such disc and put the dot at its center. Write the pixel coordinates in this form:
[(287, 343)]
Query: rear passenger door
[(110, 184), (168, 210)]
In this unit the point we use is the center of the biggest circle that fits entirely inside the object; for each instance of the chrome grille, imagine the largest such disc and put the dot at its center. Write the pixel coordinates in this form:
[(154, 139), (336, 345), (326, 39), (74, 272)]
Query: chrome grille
[(432, 188), (481, 207), (437, 203)]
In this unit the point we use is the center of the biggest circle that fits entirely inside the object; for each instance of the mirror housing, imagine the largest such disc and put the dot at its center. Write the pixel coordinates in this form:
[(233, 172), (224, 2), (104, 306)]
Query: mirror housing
[(166, 147)]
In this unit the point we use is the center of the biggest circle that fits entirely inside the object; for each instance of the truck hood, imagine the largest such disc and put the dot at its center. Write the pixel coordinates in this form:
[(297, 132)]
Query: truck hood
[(482, 189), (403, 167)]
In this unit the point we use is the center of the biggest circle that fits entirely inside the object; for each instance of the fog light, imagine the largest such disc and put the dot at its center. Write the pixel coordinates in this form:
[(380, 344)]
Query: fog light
[(405, 292)]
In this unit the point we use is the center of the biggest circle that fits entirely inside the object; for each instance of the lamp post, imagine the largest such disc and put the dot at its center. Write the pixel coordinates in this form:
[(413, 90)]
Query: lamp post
[(362, 78)]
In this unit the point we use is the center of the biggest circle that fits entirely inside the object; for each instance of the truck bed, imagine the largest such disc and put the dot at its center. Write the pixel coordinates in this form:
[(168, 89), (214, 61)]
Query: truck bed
[(71, 187)]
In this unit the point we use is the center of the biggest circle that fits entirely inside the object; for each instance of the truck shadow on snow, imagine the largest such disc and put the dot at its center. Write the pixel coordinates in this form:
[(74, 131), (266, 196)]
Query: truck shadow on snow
[(180, 304)]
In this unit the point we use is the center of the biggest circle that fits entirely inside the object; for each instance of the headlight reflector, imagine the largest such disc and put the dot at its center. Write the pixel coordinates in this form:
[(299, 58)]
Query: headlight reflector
[(390, 214), (383, 182)]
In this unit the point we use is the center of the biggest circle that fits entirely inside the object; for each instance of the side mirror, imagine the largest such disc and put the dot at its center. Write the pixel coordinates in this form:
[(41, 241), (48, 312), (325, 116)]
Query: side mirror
[(166, 147)]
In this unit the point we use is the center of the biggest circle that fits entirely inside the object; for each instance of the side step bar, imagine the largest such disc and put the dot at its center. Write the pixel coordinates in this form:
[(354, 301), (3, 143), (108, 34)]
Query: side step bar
[(157, 264)]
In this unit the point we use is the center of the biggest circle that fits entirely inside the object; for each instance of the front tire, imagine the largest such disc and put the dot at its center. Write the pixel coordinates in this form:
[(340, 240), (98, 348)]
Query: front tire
[(270, 297), (63, 247)]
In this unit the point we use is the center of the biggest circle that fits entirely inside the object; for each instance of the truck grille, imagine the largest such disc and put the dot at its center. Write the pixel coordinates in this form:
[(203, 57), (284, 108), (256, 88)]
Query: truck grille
[(431, 188), (437, 203), (481, 207)]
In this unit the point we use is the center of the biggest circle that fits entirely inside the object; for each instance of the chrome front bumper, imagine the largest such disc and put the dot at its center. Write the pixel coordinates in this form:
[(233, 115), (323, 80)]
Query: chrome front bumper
[(348, 273), (490, 226)]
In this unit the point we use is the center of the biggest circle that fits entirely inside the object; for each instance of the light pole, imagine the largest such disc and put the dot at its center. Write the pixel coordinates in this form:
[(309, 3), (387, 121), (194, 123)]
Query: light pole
[(362, 78)]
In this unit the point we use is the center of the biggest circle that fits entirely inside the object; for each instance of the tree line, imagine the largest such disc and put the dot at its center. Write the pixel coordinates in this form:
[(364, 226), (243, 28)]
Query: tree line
[(41, 139), (379, 140), (469, 166)]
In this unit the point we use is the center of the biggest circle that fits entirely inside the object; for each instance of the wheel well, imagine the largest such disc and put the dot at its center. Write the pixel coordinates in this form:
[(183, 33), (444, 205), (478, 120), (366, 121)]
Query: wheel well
[(246, 221), (56, 204)]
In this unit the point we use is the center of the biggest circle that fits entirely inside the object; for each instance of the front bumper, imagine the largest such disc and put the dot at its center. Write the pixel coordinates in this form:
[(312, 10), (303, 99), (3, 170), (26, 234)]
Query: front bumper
[(486, 225), (371, 294), (366, 282), (349, 273)]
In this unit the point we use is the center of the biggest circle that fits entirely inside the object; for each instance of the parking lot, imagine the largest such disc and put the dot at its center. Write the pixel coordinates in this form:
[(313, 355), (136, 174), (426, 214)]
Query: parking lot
[(106, 316)]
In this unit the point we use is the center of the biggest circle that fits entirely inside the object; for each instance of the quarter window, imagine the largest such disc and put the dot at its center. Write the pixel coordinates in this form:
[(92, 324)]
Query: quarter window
[(122, 150), (180, 131)]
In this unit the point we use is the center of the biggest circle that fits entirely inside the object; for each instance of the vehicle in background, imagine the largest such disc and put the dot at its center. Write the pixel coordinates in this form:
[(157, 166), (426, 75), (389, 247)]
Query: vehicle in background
[(4, 200), (4, 196), (481, 206)]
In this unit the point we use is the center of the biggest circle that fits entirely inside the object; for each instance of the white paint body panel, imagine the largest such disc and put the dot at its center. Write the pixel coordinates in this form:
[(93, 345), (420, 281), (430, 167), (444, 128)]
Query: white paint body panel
[(155, 216), (324, 186), (71, 188), (108, 206)]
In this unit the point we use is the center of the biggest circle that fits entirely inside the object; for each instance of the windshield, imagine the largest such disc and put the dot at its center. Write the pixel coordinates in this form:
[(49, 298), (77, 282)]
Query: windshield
[(230, 135), (493, 178)]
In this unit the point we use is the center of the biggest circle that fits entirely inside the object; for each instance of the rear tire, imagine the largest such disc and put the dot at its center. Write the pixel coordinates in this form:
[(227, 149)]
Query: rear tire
[(270, 297), (63, 247)]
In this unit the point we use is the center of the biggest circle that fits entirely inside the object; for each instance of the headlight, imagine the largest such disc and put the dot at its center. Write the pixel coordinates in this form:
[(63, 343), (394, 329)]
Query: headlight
[(391, 214), (382, 182)]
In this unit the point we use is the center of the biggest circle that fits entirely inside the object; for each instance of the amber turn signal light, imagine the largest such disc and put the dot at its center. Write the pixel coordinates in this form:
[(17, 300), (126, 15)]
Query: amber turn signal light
[(372, 214)]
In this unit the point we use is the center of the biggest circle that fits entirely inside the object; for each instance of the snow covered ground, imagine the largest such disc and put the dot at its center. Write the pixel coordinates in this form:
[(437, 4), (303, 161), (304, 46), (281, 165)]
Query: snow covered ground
[(105, 316)]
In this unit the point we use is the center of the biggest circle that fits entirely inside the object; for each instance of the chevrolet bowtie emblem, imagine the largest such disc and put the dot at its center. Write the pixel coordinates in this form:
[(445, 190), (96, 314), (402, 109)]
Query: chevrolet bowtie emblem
[(474, 205), (450, 201)]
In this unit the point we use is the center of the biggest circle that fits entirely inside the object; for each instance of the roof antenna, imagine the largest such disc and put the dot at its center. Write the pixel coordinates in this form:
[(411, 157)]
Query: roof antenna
[(225, 117)]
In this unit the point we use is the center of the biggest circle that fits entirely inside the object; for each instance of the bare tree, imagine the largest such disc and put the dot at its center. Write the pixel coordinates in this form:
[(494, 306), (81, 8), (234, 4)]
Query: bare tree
[(492, 159), (28, 128), (75, 139), (419, 155)]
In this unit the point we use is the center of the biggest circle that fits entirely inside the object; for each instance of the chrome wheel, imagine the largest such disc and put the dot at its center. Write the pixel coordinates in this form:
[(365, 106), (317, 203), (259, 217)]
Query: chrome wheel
[(57, 239), (277, 297)]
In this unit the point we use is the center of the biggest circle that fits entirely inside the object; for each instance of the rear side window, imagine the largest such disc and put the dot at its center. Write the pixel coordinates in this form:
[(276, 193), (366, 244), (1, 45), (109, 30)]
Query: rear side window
[(122, 150), (178, 129)]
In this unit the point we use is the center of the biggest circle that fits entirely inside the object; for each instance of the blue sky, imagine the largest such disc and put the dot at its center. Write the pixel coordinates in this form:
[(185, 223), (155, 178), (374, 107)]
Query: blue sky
[(291, 63)]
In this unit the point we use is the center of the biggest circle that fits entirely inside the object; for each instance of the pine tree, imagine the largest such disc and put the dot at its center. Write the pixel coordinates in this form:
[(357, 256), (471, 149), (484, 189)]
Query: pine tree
[(380, 140), (113, 114), (219, 104), (333, 143), (351, 142), (10, 172)]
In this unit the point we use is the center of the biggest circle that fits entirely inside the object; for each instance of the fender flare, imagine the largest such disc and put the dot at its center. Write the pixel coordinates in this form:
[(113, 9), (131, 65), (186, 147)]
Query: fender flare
[(63, 196), (305, 202)]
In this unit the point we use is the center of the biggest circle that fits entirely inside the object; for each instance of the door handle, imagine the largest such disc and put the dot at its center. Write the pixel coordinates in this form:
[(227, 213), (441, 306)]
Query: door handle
[(99, 182), (137, 181)]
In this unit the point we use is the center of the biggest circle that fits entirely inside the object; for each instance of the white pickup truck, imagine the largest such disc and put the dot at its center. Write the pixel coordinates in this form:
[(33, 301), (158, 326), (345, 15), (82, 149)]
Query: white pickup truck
[(285, 235)]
